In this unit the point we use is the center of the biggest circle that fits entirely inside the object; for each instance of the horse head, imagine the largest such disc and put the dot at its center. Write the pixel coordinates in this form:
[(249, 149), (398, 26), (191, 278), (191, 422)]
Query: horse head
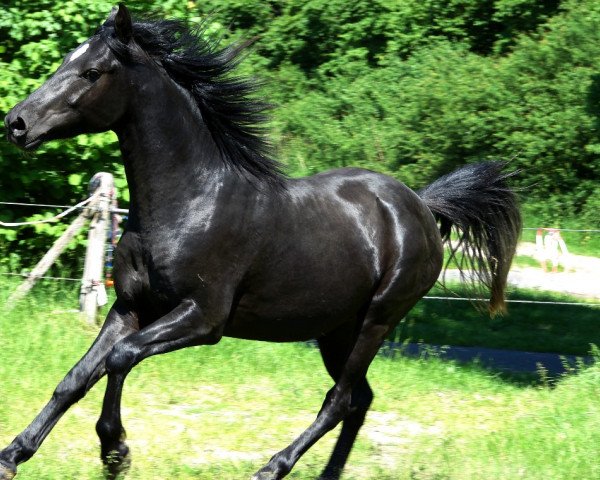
[(75, 98)]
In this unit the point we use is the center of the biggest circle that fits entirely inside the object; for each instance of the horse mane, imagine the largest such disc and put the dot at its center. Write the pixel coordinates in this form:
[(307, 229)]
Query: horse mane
[(233, 115)]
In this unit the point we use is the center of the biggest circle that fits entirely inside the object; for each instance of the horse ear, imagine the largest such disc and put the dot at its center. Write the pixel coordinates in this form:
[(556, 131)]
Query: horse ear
[(121, 20), (123, 24)]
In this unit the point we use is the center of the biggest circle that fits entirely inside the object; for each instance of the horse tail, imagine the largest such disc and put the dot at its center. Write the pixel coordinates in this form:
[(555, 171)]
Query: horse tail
[(477, 200)]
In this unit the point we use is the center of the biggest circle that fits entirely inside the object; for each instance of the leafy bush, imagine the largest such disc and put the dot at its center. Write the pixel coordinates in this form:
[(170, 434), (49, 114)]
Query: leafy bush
[(412, 89)]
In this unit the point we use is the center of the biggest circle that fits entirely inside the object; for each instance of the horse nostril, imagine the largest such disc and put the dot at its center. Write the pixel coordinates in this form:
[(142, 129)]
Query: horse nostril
[(18, 126)]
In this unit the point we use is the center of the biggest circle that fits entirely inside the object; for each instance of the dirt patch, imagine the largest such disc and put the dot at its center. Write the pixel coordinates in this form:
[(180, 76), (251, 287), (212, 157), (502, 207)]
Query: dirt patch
[(391, 434)]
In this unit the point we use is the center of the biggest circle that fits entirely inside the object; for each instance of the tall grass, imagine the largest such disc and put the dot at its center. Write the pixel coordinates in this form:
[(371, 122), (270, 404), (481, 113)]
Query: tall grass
[(220, 412)]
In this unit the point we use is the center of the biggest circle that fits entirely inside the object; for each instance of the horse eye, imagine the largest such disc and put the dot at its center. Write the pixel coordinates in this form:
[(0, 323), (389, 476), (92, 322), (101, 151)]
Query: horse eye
[(91, 75)]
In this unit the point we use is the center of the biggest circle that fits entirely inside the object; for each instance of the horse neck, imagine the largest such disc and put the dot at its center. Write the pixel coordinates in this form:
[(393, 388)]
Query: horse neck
[(170, 158)]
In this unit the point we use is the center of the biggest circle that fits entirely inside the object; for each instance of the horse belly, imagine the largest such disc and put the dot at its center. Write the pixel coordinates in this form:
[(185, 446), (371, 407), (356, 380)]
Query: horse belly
[(297, 316)]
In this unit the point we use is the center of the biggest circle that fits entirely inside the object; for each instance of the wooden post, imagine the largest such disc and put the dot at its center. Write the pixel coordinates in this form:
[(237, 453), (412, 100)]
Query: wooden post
[(91, 285), (49, 258)]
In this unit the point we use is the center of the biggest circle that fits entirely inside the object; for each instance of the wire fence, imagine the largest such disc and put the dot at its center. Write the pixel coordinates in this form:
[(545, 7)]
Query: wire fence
[(125, 211), (43, 277), (460, 299), (82, 205), (591, 230), (70, 208), (532, 302)]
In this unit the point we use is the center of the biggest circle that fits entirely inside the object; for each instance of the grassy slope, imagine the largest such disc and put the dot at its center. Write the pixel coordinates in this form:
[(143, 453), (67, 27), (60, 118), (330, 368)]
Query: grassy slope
[(220, 412)]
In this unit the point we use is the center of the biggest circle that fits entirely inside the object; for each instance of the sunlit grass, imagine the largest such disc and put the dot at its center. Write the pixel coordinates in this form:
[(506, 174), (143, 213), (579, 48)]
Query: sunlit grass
[(220, 412)]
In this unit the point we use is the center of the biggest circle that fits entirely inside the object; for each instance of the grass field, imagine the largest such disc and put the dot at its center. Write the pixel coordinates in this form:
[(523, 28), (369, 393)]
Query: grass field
[(220, 412), (564, 329)]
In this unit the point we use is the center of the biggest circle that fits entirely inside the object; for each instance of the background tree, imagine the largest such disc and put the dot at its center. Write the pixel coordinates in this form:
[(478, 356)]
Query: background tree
[(412, 89)]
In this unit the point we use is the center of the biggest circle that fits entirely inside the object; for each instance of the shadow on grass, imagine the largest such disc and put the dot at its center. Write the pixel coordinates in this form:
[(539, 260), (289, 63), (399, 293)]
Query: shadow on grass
[(519, 368), (561, 329)]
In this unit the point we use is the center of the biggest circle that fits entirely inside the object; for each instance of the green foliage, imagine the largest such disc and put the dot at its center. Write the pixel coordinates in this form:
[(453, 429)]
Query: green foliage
[(36, 35), (446, 104), (412, 89)]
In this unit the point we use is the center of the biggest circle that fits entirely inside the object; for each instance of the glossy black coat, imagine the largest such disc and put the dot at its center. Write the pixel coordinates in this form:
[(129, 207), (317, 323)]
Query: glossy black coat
[(214, 247)]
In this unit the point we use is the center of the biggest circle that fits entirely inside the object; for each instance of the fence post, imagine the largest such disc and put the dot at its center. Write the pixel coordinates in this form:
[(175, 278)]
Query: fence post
[(49, 258), (91, 285)]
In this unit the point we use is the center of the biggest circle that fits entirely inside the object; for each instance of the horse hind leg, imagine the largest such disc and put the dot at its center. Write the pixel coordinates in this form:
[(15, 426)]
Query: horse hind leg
[(334, 351), (338, 402), (362, 397)]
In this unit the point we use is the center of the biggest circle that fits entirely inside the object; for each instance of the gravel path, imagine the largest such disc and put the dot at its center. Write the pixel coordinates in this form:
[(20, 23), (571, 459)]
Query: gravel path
[(581, 277)]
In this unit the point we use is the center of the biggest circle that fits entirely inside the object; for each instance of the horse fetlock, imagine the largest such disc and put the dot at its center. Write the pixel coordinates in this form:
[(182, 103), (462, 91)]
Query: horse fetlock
[(117, 461), (7, 472), (277, 468), (110, 431), (116, 455)]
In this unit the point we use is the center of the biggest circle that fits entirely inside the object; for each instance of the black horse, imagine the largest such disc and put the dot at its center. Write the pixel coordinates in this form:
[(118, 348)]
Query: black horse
[(220, 242)]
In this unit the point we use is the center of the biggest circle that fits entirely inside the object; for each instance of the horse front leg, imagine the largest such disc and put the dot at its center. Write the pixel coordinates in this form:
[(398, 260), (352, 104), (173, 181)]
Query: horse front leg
[(184, 326), (114, 452), (119, 324)]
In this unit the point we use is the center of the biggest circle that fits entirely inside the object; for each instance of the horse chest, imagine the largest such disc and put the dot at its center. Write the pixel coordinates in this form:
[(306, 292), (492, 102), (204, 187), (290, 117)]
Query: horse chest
[(142, 275)]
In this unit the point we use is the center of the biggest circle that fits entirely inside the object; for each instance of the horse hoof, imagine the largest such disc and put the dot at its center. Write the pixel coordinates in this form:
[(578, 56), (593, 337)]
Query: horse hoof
[(7, 473), (117, 462), (266, 475)]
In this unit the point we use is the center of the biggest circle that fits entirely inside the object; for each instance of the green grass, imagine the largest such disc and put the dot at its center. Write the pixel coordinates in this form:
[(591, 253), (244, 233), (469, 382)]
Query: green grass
[(524, 261), (580, 243), (565, 329), (220, 412), (521, 261)]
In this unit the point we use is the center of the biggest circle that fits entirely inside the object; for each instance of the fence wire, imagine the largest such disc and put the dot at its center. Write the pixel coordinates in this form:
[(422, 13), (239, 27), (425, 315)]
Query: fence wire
[(82, 205), (44, 277), (533, 302), (125, 211)]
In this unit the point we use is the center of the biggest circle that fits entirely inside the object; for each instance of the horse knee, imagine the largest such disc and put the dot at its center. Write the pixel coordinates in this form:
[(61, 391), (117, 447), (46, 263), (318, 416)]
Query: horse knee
[(68, 391), (121, 359)]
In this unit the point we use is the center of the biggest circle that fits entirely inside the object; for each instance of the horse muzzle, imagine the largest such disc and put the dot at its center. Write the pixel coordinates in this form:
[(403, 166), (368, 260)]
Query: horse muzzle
[(17, 129)]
